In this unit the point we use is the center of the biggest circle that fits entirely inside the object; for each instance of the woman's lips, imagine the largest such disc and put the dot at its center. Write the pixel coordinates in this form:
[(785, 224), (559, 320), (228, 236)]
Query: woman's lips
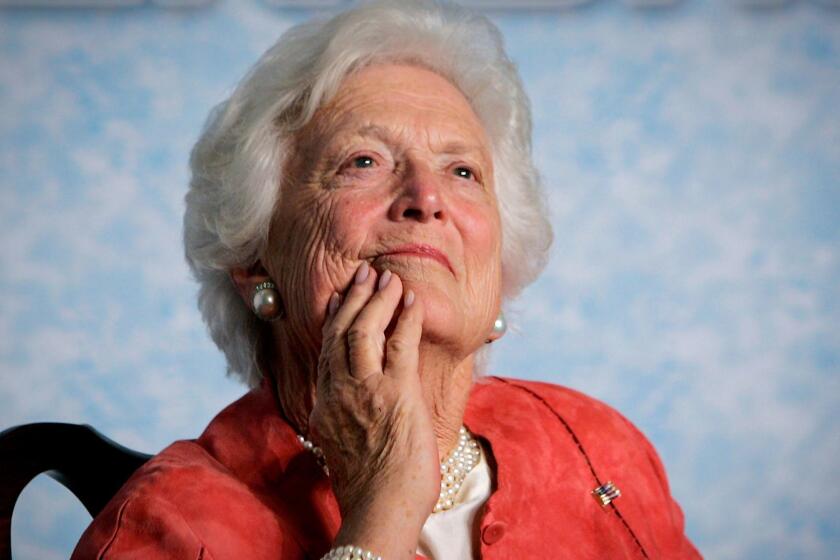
[(420, 250)]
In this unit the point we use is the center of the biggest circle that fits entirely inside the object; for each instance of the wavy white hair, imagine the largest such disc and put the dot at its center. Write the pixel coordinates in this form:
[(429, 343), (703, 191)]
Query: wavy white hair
[(238, 161)]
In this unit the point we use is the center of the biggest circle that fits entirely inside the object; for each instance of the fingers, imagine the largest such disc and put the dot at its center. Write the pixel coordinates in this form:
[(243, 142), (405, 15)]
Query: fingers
[(403, 349), (366, 336), (333, 360), (354, 332)]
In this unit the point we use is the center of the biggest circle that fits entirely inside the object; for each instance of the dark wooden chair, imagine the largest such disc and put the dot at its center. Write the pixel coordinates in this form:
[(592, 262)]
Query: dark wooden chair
[(89, 464)]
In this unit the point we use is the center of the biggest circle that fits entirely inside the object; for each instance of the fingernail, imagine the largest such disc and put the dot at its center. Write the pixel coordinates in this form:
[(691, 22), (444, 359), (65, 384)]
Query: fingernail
[(409, 298), (362, 273), (384, 279), (333, 305)]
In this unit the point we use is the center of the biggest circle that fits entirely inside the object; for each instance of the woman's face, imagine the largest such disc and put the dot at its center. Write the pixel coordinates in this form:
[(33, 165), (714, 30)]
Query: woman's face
[(396, 170)]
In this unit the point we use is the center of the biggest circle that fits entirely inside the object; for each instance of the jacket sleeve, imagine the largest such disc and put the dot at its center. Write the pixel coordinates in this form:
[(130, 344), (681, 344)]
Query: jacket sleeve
[(680, 545), (147, 528)]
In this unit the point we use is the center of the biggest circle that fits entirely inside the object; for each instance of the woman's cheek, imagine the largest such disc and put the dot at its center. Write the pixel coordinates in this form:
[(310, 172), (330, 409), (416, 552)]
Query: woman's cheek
[(328, 274), (295, 250), (481, 229), (482, 236), (333, 255), (355, 212)]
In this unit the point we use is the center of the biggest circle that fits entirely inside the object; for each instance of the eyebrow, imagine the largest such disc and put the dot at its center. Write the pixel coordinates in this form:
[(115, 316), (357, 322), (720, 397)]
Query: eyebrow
[(452, 147)]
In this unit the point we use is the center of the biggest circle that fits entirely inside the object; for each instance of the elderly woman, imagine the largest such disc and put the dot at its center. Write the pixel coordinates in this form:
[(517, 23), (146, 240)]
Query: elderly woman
[(360, 209)]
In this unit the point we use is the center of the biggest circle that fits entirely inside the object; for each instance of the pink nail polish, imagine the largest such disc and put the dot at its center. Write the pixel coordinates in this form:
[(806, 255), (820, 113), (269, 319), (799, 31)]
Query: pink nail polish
[(409, 298), (333, 305), (362, 273), (384, 279)]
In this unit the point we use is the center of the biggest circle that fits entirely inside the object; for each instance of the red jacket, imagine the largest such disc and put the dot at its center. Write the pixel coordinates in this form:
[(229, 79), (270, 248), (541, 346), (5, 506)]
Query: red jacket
[(247, 490)]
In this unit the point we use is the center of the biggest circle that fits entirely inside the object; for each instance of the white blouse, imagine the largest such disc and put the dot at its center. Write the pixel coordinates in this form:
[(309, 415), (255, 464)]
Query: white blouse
[(448, 535)]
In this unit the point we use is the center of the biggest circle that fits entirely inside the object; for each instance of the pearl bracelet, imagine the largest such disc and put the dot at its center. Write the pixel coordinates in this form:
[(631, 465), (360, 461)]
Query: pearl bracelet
[(350, 552)]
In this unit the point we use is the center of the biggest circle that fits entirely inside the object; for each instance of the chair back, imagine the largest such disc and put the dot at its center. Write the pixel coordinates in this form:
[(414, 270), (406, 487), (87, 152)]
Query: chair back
[(89, 464)]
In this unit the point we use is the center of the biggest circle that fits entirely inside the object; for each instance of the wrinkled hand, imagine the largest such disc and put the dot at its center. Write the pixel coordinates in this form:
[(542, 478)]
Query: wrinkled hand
[(370, 417)]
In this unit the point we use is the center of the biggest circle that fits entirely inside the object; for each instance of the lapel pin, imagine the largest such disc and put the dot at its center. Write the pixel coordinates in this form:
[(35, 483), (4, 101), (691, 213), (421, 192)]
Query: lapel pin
[(606, 493)]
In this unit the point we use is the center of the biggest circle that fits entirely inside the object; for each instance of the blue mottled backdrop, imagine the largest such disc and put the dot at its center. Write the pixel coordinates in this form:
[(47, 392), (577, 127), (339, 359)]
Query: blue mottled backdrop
[(692, 157)]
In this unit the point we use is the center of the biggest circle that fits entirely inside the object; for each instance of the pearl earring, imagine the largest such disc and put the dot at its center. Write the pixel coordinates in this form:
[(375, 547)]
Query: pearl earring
[(499, 328), (266, 301)]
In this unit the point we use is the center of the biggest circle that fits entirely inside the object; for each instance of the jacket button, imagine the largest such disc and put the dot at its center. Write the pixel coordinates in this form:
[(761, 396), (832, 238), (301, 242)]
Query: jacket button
[(493, 532)]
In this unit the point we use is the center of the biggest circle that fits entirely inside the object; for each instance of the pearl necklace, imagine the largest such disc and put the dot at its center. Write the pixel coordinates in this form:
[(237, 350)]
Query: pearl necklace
[(453, 471)]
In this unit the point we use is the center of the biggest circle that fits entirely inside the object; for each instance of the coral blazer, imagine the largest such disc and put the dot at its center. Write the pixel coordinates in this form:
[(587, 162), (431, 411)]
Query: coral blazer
[(246, 489)]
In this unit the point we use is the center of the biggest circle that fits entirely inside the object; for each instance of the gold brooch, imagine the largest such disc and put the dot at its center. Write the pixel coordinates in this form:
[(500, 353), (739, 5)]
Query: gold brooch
[(606, 493)]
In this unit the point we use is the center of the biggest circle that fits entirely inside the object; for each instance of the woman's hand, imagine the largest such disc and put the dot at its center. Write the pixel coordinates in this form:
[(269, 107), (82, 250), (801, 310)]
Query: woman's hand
[(370, 417)]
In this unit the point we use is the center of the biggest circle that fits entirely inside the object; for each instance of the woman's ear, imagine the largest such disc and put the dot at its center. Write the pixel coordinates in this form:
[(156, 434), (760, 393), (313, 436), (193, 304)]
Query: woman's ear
[(246, 280), (258, 291)]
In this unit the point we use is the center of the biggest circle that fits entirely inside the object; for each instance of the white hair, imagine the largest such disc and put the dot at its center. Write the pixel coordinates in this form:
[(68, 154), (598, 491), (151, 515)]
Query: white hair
[(238, 161)]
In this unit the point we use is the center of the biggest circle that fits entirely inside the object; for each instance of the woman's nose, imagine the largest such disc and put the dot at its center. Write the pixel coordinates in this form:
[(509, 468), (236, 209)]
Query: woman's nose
[(419, 198)]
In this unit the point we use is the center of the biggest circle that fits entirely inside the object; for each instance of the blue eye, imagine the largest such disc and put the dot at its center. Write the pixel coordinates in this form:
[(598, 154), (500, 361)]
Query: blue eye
[(363, 162)]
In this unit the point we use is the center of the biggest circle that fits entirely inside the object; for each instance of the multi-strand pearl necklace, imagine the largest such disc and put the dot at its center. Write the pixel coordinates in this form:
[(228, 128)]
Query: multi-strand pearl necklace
[(453, 471)]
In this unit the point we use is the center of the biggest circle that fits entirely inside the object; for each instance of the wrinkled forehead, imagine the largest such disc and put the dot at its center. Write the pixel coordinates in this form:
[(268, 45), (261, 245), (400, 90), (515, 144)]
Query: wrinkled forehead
[(392, 98)]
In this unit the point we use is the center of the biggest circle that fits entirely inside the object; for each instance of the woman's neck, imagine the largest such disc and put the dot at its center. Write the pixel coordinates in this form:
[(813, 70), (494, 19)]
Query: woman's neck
[(446, 388)]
